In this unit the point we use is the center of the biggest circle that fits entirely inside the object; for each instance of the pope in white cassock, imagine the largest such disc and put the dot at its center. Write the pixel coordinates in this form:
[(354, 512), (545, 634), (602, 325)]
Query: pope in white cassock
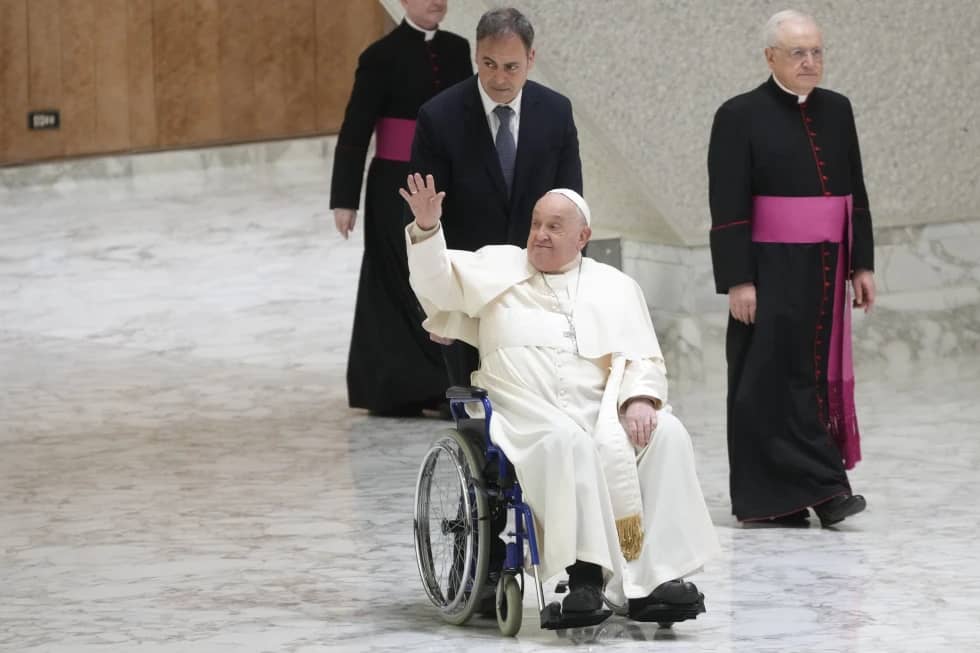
[(572, 365)]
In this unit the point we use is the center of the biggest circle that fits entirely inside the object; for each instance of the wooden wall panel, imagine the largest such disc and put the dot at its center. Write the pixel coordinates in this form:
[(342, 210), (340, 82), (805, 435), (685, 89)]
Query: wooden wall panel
[(235, 53), (44, 75), (142, 98), (143, 74), (269, 50), (343, 29), (13, 79), (111, 75), (186, 71), (300, 67), (79, 112)]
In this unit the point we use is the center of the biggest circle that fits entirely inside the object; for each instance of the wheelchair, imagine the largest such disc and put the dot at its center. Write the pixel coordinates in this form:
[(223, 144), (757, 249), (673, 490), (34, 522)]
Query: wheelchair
[(465, 490)]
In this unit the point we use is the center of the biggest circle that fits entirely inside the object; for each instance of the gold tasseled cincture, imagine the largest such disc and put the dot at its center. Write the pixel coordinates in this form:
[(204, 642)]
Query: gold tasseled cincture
[(630, 530)]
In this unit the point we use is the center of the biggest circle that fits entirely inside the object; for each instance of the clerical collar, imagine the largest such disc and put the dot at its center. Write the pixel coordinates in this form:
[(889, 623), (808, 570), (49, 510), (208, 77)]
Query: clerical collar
[(429, 33), (489, 105), (568, 267), (799, 98)]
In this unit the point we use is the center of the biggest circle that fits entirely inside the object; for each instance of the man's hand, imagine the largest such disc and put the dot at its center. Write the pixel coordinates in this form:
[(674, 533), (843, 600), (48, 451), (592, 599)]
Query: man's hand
[(864, 289), (741, 302), (345, 219), (639, 421), (422, 198)]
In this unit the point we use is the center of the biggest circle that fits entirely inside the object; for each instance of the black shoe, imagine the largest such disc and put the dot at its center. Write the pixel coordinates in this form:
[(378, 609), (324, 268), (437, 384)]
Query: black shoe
[(673, 592), (584, 588), (585, 598), (675, 600), (800, 518), (839, 508)]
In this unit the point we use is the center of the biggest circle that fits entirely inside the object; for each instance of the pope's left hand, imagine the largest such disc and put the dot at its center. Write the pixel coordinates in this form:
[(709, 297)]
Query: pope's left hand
[(639, 420)]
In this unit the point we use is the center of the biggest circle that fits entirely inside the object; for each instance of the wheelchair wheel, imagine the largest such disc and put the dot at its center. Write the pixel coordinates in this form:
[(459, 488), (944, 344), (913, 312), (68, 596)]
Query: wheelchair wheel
[(451, 526), (510, 605)]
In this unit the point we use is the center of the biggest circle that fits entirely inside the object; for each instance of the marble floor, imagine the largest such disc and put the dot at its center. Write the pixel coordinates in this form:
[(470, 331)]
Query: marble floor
[(179, 470)]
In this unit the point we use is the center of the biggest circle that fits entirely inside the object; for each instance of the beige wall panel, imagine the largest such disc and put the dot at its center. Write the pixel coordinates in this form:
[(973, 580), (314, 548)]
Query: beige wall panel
[(44, 47), (237, 87), (142, 99), (300, 67), (343, 29), (111, 76), (13, 80), (186, 70), (268, 63), (79, 120)]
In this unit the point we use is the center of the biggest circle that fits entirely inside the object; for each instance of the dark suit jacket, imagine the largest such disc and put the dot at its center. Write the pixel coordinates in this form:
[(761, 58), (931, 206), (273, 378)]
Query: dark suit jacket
[(454, 144)]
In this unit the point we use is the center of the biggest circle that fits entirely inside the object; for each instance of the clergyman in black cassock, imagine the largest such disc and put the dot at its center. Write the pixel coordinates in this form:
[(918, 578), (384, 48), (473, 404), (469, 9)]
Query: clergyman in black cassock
[(790, 226), (393, 367)]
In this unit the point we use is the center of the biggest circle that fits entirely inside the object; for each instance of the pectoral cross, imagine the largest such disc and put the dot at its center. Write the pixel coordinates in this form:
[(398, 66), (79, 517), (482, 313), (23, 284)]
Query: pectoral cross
[(570, 334), (569, 317)]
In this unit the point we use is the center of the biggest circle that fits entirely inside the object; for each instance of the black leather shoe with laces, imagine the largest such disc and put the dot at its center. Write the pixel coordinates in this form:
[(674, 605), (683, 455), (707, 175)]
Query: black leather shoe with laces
[(839, 508)]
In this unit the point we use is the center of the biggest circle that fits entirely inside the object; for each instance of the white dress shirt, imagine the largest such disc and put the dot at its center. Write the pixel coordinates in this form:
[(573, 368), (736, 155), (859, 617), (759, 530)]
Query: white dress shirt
[(489, 105)]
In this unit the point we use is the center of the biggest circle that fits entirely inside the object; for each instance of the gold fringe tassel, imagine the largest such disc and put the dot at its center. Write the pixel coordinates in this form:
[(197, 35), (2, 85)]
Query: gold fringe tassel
[(630, 530)]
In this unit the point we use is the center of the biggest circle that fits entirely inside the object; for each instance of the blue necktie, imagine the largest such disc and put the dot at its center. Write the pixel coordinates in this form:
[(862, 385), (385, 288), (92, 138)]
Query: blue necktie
[(506, 148)]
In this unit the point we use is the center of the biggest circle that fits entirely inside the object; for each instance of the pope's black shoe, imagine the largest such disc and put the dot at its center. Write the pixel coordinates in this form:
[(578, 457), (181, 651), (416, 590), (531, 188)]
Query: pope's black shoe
[(839, 508), (583, 605), (585, 598), (584, 588), (675, 600)]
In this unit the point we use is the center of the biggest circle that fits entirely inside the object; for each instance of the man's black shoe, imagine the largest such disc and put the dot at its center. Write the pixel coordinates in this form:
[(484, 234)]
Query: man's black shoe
[(584, 598), (799, 518), (839, 508)]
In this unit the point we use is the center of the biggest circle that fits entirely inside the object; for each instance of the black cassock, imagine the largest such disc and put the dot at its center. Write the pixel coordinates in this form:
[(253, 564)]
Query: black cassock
[(393, 366), (785, 448)]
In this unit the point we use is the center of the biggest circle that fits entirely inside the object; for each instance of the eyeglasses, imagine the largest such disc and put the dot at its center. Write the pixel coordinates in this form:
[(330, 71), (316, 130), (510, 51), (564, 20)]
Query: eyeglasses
[(800, 54)]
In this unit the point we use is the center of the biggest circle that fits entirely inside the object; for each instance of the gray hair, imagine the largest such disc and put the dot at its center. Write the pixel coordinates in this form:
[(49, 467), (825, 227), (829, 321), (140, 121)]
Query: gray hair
[(771, 32), (501, 22)]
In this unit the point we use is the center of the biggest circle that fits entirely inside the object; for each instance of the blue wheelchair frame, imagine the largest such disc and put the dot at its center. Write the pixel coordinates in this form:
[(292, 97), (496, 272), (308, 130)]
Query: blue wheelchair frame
[(510, 492)]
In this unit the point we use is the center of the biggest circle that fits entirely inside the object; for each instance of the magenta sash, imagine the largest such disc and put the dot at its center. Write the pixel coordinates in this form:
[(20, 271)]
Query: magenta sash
[(817, 220), (393, 139)]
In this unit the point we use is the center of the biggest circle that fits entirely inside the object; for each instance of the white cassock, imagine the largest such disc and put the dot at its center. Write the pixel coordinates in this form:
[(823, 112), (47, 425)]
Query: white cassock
[(546, 379)]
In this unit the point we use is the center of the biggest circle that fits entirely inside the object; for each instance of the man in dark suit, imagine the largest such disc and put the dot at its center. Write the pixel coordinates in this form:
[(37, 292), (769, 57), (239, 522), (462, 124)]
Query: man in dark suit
[(496, 143)]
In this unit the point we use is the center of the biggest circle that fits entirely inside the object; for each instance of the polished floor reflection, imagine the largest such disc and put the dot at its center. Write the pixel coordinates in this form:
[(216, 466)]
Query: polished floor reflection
[(179, 470)]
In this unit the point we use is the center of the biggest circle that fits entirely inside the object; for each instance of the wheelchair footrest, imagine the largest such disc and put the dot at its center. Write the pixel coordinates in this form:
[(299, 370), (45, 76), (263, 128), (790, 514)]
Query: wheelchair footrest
[(669, 613), (552, 618)]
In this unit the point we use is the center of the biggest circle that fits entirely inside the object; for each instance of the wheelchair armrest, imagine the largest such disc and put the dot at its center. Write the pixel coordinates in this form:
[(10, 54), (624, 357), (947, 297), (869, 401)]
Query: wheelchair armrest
[(461, 392)]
